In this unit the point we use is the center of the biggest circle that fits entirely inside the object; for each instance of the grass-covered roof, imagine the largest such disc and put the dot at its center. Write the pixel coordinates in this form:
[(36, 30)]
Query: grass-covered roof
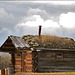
[(47, 41)]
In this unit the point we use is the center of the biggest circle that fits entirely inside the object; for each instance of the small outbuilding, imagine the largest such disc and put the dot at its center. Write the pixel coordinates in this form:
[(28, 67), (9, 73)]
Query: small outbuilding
[(32, 53)]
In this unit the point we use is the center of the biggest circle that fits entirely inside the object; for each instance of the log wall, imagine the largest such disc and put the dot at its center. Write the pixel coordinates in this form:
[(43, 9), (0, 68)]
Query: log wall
[(55, 61), (35, 61), (18, 62), (44, 61), (29, 61), (22, 62)]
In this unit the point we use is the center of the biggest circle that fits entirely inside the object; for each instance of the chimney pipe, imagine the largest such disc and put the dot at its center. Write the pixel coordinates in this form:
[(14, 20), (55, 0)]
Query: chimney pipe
[(39, 30)]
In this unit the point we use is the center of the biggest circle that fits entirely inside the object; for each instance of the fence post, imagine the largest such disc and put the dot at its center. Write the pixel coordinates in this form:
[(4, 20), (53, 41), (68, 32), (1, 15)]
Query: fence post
[(2, 71), (6, 72)]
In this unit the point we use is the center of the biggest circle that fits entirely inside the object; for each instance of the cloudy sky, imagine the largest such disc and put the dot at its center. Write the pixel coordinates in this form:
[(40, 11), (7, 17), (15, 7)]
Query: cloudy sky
[(23, 17)]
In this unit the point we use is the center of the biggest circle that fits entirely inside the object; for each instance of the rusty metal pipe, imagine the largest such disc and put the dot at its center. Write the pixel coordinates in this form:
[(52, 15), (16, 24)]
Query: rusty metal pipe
[(39, 33)]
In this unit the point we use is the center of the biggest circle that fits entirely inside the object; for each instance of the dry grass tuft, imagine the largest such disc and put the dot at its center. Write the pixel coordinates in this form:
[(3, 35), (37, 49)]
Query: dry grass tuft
[(47, 39), (56, 42)]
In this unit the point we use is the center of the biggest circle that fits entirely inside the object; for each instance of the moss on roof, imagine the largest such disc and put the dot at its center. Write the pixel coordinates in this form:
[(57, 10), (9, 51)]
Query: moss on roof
[(47, 41)]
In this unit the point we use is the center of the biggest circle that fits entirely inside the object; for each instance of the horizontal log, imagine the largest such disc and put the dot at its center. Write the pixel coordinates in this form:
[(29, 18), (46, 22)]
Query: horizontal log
[(5, 47), (69, 59), (29, 52), (69, 56), (18, 59), (8, 49), (29, 70), (17, 62), (17, 70), (45, 59), (57, 67), (30, 65), (57, 63), (28, 61), (8, 45), (29, 58), (54, 70), (46, 55), (17, 54), (18, 66)]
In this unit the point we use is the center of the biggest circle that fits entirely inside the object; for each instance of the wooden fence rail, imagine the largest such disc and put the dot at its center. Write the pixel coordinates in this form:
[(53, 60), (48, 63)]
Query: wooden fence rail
[(5, 72)]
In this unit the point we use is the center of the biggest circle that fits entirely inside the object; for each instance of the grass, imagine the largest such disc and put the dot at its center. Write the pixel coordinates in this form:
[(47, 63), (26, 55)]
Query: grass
[(56, 39), (58, 73), (56, 42)]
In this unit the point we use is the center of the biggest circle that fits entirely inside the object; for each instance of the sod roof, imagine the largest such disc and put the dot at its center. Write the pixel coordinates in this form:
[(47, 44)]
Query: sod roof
[(46, 41)]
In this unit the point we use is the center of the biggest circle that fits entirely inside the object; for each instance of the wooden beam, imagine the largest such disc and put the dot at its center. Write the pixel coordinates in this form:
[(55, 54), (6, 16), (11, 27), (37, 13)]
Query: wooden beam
[(7, 51), (8, 43), (22, 61), (8, 47), (13, 59)]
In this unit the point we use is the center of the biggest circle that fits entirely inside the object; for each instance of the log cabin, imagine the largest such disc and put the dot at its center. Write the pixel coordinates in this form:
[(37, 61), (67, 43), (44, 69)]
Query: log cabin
[(33, 53)]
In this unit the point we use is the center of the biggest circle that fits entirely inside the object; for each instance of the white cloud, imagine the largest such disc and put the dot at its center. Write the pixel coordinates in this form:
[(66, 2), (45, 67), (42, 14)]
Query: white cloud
[(37, 20), (36, 11), (29, 25), (67, 20), (36, 17), (50, 23), (4, 14), (55, 2)]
